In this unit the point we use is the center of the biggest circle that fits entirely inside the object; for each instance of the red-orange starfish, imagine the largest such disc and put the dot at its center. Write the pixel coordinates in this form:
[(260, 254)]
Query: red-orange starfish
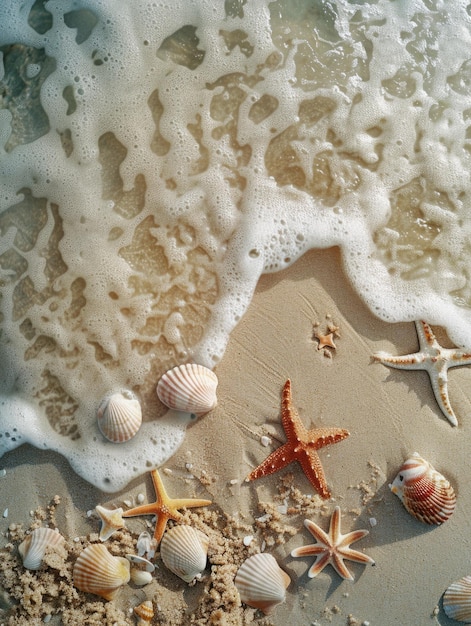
[(302, 446), (164, 507)]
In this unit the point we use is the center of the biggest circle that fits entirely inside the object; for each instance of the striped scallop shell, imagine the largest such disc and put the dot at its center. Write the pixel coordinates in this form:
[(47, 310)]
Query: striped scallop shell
[(33, 548), (119, 416), (144, 612), (457, 600), (424, 492), (261, 582), (97, 571), (184, 551), (190, 388)]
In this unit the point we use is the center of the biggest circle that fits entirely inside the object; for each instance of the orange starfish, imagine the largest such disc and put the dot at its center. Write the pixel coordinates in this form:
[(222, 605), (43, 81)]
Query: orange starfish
[(302, 446), (164, 507)]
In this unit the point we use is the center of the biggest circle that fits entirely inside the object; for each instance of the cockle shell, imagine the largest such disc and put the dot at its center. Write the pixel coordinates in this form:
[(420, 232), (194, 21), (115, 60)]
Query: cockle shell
[(425, 493), (141, 573), (33, 548), (457, 600), (144, 612), (119, 416), (190, 388), (261, 582), (99, 572), (184, 551)]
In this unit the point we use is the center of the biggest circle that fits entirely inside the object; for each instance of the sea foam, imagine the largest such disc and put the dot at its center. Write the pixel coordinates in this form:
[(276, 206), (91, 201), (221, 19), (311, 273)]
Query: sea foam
[(156, 159)]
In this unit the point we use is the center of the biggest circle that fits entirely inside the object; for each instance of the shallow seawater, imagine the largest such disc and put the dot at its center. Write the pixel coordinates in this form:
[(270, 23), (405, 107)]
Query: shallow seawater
[(157, 159)]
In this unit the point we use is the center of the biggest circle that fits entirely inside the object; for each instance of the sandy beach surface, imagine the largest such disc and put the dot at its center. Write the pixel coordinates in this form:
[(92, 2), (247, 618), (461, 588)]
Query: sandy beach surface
[(389, 413)]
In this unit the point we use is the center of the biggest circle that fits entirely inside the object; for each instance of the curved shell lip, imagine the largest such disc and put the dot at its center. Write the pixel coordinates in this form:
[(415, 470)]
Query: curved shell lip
[(119, 416), (33, 548), (190, 388), (144, 563)]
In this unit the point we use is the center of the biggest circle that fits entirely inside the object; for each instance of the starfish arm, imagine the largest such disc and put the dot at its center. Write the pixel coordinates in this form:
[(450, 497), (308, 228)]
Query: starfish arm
[(312, 467), (355, 555), (188, 503), (290, 420), (310, 550), (334, 528), (152, 508), (160, 526), (278, 459), (458, 357), (340, 567), (426, 337), (414, 361), (320, 437), (160, 493), (316, 531), (439, 382), (319, 565)]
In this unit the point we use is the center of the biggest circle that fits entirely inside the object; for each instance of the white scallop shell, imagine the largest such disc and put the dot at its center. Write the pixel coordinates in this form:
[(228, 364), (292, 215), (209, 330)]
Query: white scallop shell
[(119, 416), (184, 551), (261, 582), (140, 577), (190, 388), (424, 492), (99, 572), (457, 600), (33, 548)]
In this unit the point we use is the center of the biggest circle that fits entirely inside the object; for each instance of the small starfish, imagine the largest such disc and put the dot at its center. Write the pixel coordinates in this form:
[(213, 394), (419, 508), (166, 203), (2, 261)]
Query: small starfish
[(433, 358), (164, 507), (327, 340), (111, 521), (332, 547), (302, 446)]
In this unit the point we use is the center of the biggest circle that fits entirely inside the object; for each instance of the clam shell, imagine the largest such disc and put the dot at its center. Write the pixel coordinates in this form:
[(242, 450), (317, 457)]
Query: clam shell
[(424, 492), (145, 612), (33, 548), (140, 577), (184, 551), (261, 582), (190, 388), (119, 416), (98, 572), (457, 600)]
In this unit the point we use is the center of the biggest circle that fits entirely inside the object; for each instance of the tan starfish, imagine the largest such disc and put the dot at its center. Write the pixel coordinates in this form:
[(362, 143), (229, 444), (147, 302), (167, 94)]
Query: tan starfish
[(332, 547), (302, 446), (164, 507), (327, 340), (111, 521), (433, 358)]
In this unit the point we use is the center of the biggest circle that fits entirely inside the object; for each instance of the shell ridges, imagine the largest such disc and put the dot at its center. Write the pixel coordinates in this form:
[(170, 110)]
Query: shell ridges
[(190, 388), (457, 600), (261, 582), (119, 416), (34, 546), (99, 572), (184, 551)]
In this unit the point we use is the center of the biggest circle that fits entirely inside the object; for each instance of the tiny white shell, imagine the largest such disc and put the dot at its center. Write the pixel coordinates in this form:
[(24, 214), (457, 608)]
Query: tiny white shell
[(119, 416), (261, 582), (184, 551), (190, 388), (424, 492), (140, 577), (99, 572), (33, 548)]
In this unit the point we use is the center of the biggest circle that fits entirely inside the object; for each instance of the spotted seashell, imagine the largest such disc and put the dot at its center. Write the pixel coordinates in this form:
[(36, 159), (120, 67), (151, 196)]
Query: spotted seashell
[(97, 571), (184, 551), (457, 600), (119, 416), (261, 582), (144, 612), (33, 548), (425, 493), (190, 388)]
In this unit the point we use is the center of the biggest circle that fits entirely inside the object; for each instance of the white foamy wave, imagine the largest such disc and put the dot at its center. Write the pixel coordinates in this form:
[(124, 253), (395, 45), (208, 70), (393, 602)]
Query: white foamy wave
[(156, 161)]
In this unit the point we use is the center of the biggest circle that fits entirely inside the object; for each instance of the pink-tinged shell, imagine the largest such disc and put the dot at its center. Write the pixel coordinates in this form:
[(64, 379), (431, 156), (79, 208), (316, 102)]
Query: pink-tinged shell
[(33, 548), (184, 550), (190, 388), (457, 600), (144, 612), (97, 571), (119, 416), (261, 582), (424, 492)]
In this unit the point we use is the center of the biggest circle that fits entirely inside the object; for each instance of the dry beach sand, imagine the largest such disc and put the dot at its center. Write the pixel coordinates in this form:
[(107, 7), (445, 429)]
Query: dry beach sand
[(389, 414)]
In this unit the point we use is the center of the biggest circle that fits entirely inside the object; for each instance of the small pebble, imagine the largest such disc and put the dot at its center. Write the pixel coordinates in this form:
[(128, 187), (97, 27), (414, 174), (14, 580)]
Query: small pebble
[(248, 540), (234, 481), (373, 521), (3, 472), (5, 513), (265, 441), (140, 498)]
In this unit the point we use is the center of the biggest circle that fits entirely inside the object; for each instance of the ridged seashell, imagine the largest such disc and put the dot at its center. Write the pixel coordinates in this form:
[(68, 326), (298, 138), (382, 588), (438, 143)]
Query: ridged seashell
[(99, 572), (119, 416), (261, 582), (184, 551), (190, 388), (33, 548), (457, 600), (425, 493), (145, 613)]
